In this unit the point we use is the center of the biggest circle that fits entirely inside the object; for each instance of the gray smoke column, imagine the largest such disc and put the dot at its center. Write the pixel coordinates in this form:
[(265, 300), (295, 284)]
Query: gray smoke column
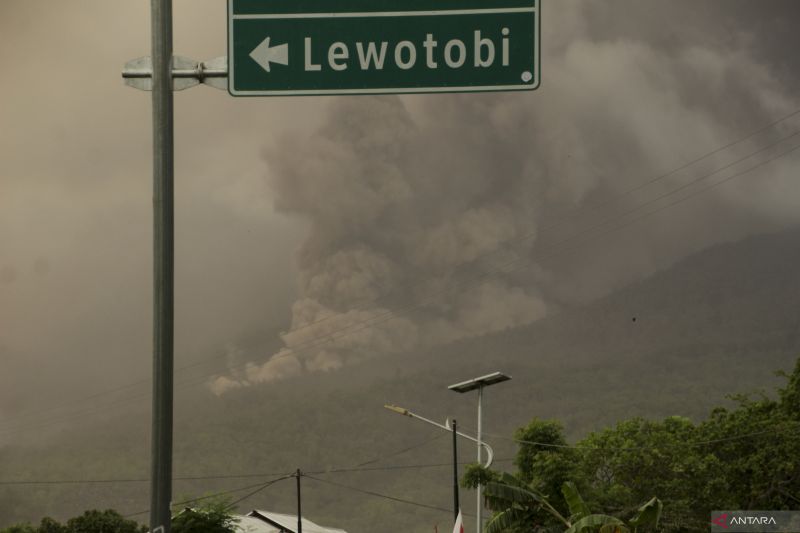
[(423, 209)]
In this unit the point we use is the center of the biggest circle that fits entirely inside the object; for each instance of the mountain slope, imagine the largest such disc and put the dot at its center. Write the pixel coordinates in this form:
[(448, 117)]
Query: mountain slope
[(717, 323)]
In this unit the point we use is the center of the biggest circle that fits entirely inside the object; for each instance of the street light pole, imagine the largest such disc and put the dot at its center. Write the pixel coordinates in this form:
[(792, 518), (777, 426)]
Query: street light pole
[(478, 384)]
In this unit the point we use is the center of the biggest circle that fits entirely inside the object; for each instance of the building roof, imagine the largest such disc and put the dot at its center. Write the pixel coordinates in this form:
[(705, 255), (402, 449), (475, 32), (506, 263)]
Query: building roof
[(289, 522), (248, 524)]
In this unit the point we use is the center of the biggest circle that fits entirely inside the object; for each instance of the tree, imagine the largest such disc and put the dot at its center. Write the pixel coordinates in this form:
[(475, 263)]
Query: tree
[(544, 458), (212, 517), (621, 466), (19, 528), (762, 471), (48, 525), (108, 521), (745, 457)]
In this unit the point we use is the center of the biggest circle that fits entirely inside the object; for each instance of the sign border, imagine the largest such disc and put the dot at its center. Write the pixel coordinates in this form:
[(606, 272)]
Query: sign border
[(536, 83)]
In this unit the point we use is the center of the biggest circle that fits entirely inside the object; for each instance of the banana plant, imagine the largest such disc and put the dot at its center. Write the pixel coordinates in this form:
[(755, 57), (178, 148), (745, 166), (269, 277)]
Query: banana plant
[(518, 503)]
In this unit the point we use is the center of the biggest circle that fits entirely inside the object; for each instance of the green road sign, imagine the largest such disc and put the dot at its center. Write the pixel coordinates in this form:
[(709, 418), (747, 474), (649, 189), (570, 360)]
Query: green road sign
[(292, 47)]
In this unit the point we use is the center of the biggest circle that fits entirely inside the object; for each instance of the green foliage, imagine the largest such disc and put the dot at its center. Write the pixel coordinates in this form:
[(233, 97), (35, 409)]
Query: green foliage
[(747, 457), (742, 458), (577, 507), (476, 474), (548, 463), (597, 522), (48, 525), (108, 521), (519, 507), (213, 517), (621, 466), (649, 513), (19, 528), (790, 395)]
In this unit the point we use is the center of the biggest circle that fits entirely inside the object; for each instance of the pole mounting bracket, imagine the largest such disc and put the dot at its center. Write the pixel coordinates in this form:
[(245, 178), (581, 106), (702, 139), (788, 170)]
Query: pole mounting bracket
[(138, 73)]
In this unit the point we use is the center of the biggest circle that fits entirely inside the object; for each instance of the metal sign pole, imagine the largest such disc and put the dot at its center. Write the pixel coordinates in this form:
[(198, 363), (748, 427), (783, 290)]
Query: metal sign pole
[(162, 73), (163, 265)]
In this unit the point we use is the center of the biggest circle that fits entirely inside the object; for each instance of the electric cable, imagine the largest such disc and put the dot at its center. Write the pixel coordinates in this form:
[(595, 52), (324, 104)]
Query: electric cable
[(268, 484), (217, 494), (379, 495), (358, 468)]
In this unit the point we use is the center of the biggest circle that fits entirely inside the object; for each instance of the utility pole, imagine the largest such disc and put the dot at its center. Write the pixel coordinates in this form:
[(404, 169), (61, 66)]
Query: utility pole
[(455, 472), (299, 508), (163, 265)]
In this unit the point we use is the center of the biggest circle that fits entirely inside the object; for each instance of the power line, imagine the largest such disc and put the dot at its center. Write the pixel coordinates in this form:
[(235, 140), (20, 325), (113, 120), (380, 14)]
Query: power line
[(230, 476), (398, 467), (362, 467), (388, 315), (270, 483), (126, 480), (261, 486), (218, 494), (400, 452), (379, 495)]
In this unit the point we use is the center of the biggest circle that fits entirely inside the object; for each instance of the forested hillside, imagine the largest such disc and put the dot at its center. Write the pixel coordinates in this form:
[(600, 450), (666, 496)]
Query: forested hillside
[(717, 323)]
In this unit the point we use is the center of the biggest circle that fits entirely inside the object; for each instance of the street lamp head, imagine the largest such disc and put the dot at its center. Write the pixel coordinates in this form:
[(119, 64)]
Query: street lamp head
[(476, 383), (397, 409)]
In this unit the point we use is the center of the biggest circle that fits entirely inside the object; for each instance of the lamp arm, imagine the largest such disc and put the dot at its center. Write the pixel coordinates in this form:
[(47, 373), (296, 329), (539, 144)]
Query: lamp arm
[(410, 414)]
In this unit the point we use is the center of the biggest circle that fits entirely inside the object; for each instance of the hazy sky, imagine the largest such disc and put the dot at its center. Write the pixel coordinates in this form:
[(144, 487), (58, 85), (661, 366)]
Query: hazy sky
[(75, 200), (371, 191)]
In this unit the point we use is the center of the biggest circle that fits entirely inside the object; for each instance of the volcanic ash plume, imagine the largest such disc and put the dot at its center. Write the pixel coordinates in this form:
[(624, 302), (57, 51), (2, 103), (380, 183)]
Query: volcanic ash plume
[(431, 217)]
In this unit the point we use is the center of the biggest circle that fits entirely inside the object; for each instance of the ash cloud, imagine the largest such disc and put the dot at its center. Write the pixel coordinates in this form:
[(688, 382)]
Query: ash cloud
[(423, 209)]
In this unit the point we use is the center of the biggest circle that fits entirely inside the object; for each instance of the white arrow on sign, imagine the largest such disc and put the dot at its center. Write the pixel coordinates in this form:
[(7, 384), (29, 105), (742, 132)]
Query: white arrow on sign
[(264, 54)]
